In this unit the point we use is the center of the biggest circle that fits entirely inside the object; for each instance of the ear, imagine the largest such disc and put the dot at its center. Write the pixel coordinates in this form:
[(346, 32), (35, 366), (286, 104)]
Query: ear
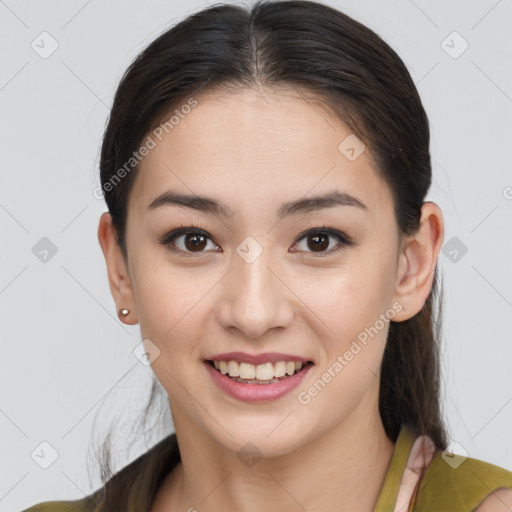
[(417, 262), (118, 275)]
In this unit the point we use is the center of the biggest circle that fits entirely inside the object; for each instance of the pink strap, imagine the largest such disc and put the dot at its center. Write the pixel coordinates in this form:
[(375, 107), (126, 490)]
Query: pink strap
[(422, 452)]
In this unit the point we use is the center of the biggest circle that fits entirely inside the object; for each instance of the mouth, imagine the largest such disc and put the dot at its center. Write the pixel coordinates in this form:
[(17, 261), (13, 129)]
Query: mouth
[(262, 378), (261, 374)]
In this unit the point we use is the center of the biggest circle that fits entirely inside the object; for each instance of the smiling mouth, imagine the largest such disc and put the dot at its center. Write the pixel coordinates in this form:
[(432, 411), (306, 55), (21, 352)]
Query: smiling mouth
[(267, 373)]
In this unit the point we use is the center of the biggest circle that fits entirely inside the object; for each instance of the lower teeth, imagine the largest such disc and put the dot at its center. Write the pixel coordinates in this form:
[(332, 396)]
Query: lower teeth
[(255, 381)]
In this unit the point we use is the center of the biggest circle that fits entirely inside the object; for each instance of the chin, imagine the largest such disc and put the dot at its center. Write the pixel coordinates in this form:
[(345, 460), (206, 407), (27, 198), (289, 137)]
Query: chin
[(269, 436)]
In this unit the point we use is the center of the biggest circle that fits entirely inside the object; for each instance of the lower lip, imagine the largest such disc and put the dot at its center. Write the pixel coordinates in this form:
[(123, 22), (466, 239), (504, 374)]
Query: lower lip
[(256, 392)]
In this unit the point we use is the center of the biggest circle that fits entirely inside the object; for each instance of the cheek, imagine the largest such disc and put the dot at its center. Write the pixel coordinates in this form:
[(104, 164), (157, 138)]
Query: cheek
[(172, 316), (352, 298), (354, 307), (169, 304)]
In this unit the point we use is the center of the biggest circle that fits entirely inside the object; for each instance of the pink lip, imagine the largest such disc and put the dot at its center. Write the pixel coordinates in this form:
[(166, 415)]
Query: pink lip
[(256, 392), (267, 357)]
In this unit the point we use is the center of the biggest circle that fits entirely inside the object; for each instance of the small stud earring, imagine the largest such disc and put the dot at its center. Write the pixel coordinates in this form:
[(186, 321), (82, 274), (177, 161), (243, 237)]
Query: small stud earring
[(124, 312)]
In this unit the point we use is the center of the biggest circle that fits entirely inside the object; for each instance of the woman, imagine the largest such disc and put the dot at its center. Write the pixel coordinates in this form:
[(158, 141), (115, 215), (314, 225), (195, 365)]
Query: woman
[(265, 172)]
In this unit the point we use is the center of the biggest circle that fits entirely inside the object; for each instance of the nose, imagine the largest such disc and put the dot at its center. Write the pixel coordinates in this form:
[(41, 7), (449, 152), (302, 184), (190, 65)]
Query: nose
[(254, 298)]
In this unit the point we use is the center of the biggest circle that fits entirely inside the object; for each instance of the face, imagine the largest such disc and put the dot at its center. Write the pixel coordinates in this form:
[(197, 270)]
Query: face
[(259, 279)]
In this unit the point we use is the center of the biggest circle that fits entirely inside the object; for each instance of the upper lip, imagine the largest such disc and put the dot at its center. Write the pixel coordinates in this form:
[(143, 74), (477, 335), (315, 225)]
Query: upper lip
[(266, 357)]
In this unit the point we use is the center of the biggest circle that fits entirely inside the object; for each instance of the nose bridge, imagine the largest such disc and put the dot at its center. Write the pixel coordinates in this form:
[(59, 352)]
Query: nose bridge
[(254, 300)]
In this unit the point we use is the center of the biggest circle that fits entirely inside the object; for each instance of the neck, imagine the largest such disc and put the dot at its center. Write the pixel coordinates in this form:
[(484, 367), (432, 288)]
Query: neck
[(342, 470)]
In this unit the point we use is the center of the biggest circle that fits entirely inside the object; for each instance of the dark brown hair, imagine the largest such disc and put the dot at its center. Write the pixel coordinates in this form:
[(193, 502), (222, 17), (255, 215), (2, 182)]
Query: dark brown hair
[(351, 70)]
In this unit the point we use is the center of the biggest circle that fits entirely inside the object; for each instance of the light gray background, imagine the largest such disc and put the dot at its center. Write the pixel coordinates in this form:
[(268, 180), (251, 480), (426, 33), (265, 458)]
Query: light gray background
[(65, 355)]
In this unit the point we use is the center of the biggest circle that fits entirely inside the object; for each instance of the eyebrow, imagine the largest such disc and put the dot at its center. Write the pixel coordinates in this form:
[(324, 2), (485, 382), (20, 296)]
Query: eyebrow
[(300, 206)]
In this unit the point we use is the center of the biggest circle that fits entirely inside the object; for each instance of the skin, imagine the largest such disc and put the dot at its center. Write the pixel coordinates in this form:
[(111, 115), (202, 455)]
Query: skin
[(253, 150), (498, 501)]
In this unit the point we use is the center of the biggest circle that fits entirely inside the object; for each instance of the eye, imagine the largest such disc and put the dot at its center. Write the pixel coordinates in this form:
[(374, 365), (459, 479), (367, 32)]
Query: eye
[(193, 240), (318, 240)]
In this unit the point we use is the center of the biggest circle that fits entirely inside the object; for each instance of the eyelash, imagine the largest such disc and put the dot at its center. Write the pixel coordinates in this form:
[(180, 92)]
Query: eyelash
[(343, 239)]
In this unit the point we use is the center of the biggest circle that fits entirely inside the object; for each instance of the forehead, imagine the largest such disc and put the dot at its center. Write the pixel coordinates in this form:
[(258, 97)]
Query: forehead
[(260, 145)]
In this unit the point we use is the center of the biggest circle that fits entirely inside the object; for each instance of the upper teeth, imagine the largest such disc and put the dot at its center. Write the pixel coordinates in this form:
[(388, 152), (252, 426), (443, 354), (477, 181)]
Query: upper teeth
[(266, 371)]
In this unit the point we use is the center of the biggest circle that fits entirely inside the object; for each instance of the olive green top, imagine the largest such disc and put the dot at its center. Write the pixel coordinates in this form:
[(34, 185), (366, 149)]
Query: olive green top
[(459, 485)]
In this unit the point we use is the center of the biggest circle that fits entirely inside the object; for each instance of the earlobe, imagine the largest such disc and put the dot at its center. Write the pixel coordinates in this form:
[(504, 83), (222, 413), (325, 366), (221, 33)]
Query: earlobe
[(418, 259), (118, 275)]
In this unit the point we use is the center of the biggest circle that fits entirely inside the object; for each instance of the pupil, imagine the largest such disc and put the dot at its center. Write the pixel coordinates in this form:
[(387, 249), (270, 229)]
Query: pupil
[(194, 244), (323, 245)]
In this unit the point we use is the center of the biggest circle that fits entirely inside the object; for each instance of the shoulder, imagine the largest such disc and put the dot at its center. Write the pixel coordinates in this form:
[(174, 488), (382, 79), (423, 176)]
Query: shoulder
[(498, 501), (454, 482), (90, 503), (133, 483), (82, 505)]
